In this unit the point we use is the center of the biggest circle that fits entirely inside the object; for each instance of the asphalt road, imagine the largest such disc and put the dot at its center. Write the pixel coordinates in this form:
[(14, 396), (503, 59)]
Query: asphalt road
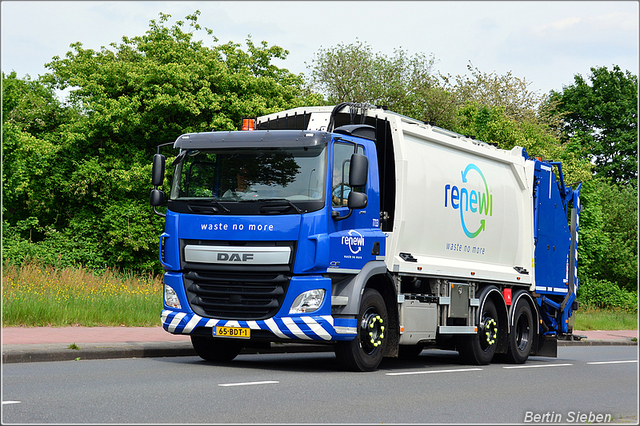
[(582, 383)]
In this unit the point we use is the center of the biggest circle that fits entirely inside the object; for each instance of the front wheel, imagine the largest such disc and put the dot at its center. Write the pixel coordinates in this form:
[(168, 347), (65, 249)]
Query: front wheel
[(365, 352), (479, 348), (216, 350)]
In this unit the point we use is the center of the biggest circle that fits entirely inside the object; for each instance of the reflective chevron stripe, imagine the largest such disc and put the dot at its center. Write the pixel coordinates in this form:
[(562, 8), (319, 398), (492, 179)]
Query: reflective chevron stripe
[(316, 328), (175, 321), (300, 327), (274, 328)]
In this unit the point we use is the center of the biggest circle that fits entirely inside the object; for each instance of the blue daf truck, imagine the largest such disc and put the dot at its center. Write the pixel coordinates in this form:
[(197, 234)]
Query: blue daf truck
[(360, 228)]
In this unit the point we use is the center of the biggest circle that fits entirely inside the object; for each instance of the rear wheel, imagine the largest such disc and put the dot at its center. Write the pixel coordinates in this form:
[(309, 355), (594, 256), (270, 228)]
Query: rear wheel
[(365, 352), (479, 348), (216, 350), (521, 336)]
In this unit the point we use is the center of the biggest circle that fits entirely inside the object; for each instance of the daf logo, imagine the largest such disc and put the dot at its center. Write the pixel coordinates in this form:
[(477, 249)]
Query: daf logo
[(235, 257)]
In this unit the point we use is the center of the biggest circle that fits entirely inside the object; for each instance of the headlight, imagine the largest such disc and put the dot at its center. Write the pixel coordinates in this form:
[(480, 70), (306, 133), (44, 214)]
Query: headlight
[(171, 298), (308, 301)]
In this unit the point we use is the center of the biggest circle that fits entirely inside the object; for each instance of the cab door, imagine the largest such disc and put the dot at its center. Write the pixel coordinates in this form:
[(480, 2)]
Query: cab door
[(354, 240)]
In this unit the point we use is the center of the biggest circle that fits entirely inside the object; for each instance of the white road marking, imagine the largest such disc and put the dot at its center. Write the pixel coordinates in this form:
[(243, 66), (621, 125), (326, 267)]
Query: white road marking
[(267, 382), (11, 402), (434, 371), (509, 367), (537, 366)]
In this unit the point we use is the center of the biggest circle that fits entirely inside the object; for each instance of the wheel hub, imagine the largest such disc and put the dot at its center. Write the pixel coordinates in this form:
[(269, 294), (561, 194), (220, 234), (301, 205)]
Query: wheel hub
[(372, 331), (489, 331)]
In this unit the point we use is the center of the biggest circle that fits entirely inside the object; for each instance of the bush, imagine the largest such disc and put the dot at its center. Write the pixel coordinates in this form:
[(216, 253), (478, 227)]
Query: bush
[(605, 294), (58, 249)]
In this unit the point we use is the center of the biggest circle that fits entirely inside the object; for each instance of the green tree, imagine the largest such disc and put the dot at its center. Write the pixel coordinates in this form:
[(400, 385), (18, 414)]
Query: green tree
[(403, 83), (608, 233), (602, 113), (33, 120), (494, 125), (151, 88), (511, 93), (32, 106), (128, 98)]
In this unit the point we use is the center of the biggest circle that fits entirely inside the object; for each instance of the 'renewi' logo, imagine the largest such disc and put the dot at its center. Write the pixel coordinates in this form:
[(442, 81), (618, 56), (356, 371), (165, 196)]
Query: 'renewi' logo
[(470, 200), (355, 241)]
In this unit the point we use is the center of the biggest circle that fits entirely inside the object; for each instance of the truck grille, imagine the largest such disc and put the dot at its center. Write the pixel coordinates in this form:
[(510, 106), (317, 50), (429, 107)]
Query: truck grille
[(235, 295)]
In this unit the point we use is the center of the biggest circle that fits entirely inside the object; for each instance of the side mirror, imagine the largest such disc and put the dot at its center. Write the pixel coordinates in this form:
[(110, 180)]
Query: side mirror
[(157, 172), (156, 198), (357, 200), (358, 170)]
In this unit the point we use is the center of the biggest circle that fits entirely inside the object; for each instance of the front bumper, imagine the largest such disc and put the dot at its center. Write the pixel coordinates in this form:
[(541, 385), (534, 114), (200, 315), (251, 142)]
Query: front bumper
[(300, 327)]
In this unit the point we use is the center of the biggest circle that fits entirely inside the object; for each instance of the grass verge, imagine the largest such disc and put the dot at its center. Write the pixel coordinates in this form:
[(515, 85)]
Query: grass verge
[(34, 295), (589, 318)]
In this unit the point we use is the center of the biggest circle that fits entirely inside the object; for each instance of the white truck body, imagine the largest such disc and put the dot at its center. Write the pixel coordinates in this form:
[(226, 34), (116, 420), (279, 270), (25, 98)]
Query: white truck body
[(430, 166)]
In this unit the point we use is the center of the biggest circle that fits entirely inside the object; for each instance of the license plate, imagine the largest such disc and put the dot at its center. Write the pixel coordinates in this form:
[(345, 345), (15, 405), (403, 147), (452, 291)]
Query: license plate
[(243, 333)]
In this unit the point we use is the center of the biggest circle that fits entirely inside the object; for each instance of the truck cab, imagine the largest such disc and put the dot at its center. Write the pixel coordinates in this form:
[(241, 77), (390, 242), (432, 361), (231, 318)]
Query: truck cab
[(262, 229)]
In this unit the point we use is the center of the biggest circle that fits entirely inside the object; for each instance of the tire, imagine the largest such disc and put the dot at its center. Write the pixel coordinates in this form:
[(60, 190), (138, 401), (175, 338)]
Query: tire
[(216, 350), (479, 348), (365, 352), (522, 332)]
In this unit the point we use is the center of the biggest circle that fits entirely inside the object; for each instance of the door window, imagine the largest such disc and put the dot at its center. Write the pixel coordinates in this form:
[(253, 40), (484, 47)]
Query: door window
[(340, 183)]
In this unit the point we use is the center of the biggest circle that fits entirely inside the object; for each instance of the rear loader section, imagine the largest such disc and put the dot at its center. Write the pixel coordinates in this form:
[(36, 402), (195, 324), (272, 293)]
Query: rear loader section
[(556, 219)]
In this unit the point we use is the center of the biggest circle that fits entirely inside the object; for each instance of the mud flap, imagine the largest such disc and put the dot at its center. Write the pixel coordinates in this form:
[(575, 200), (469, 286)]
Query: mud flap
[(547, 346)]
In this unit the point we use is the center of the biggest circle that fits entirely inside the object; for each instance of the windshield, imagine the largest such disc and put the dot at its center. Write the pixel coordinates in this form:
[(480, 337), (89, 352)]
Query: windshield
[(294, 174)]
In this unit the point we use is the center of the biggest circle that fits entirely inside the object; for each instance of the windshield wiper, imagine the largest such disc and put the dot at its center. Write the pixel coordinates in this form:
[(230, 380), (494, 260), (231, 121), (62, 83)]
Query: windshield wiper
[(217, 203), (279, 201), (210, 200)]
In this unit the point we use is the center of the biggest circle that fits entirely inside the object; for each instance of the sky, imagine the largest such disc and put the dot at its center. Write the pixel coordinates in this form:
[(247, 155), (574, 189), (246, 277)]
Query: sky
[(544, 42)]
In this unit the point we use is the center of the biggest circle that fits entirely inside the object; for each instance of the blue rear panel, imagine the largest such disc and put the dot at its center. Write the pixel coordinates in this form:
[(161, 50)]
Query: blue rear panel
[(553, 236), (556, 213)]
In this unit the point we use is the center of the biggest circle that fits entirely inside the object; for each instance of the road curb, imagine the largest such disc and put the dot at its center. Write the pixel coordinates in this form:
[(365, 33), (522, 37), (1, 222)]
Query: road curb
[(55, 352), (59, 352), (627, 342)]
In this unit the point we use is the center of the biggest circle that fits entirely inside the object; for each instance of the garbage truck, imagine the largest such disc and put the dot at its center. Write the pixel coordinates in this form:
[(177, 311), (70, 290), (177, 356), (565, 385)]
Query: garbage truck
[(376, 233)]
